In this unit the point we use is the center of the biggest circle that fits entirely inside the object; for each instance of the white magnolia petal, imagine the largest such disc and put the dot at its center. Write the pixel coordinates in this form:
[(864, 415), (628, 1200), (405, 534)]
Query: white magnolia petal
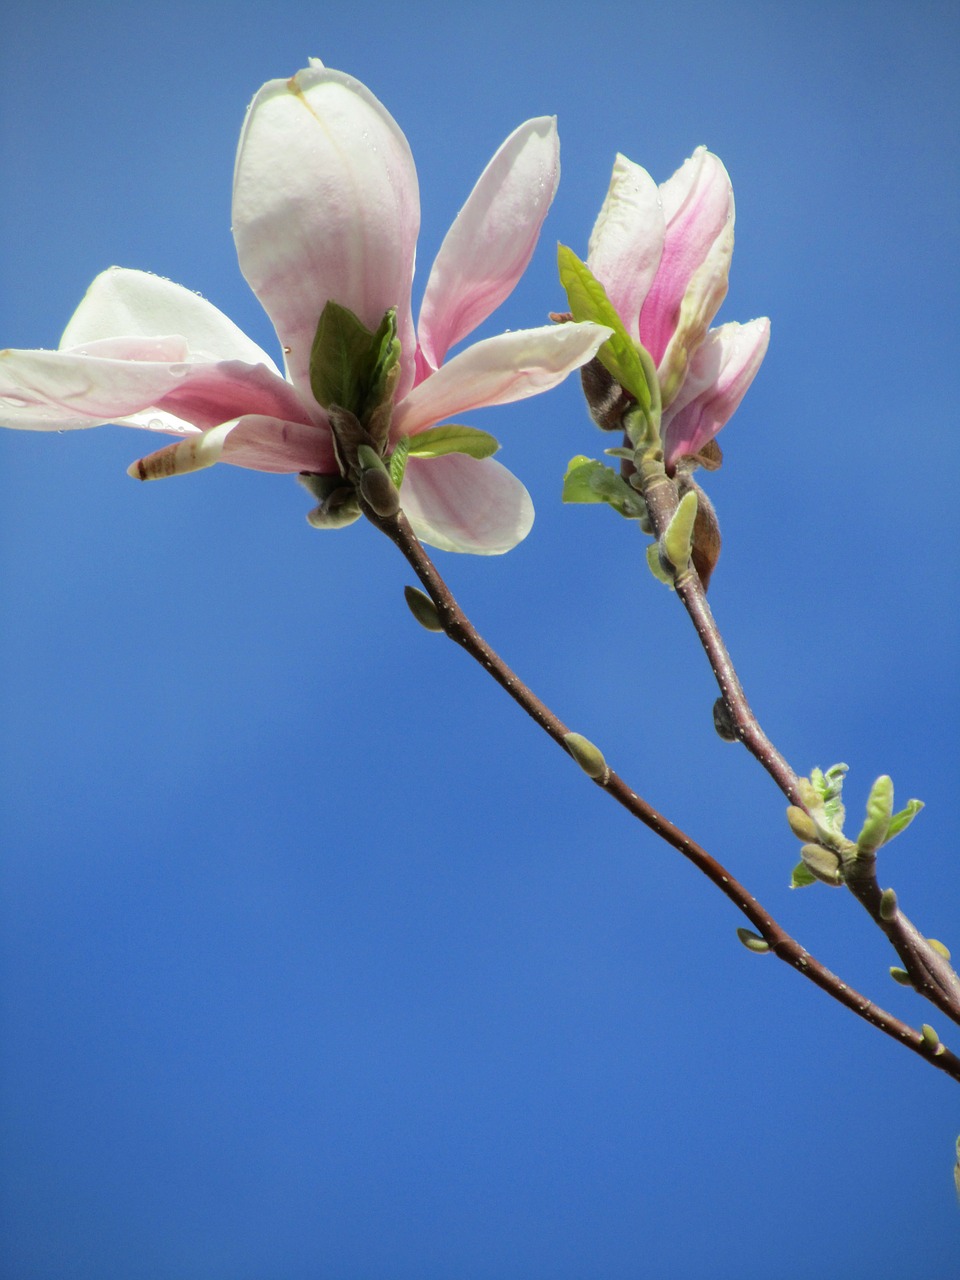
[(466, 504), (325, 205), (122, 302), (626, 243), (62, 391), (254, 441), (491, 241), (499, 370)]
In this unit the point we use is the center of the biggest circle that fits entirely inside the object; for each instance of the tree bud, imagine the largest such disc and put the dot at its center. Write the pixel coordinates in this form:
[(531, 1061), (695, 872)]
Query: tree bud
[(801, 824), (822, 863), (939, 948), (888, 904), (931, 1040), (423, 609), (724, 724), (380, 492), (900, 975), (588, 757), (752, 941)]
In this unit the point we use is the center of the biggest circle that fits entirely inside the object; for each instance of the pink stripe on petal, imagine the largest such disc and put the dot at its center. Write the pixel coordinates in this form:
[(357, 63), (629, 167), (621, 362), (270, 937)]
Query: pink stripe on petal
[(466, 504), (719, 376), (211, 394), (491, 241), (697, 206)]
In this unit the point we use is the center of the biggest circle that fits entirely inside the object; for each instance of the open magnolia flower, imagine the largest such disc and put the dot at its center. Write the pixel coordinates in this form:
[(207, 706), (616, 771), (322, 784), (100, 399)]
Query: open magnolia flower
[(325, 210), (663, 255)]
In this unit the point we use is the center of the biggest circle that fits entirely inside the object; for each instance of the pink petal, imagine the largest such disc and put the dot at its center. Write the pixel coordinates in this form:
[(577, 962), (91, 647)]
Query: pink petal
[(719, 376), (466, 504), (125, 303), (208, 395), (258, 443), (499, 370), (325, 205), (488, 247), (626, 243), (697, 206)]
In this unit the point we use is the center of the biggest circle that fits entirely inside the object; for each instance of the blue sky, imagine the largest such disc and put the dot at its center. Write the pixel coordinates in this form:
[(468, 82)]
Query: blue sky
[(317, 959)]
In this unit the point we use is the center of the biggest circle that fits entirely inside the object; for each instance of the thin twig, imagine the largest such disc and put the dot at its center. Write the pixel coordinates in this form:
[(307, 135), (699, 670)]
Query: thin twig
[(930, 973), (458, 627)]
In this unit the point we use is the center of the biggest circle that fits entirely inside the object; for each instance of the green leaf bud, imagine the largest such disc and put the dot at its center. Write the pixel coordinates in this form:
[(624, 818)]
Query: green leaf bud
[(931, 1040), (900, 975), (423, 609), (879, 812), (380, 492), (677, 541), (801, 824), (939, 948), (888, 904), (339, 509), (588, 757), (822, 863), (655, 566), (752, 941)]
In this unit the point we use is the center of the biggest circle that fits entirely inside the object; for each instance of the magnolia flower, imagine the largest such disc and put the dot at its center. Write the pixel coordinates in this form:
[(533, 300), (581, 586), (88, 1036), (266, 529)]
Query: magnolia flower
[(325, 208), (663, 255)]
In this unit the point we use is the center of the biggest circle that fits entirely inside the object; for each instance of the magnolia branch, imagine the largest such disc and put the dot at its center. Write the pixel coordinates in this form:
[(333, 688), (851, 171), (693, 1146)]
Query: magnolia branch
[(457, 626), (930, 973)]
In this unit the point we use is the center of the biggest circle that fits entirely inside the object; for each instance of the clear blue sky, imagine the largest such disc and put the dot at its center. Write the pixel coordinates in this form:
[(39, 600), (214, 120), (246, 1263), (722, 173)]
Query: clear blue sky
[(317, 958)]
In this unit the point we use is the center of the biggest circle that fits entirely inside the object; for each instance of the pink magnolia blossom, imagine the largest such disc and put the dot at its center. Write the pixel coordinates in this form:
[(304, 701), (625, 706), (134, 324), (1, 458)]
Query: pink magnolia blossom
[(325, 207), (663, 254)]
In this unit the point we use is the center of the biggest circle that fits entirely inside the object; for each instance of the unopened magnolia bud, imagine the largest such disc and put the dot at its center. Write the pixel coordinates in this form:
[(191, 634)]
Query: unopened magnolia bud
[(606, 399), (588, 756), (423, 609), (931, 1040), (822, 863), (801, 824), (380, 492), (724, 724), (752, 941), (900, 975), (888, 904), (939, 948)]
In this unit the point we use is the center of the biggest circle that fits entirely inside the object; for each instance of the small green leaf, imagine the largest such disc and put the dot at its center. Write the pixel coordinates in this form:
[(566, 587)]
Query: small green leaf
[(437, 441), (619, 355), (588, 480), (879, 812), (397, 462), (801, 876), (343, 359), (900, 821)]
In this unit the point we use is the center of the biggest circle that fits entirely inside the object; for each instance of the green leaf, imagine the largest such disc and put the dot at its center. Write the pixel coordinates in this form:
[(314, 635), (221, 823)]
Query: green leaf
[(351, 366), (677, 540), (588, 480), (619, 355), (900, 821), (397, 462), (437, 441), (802, 876)]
